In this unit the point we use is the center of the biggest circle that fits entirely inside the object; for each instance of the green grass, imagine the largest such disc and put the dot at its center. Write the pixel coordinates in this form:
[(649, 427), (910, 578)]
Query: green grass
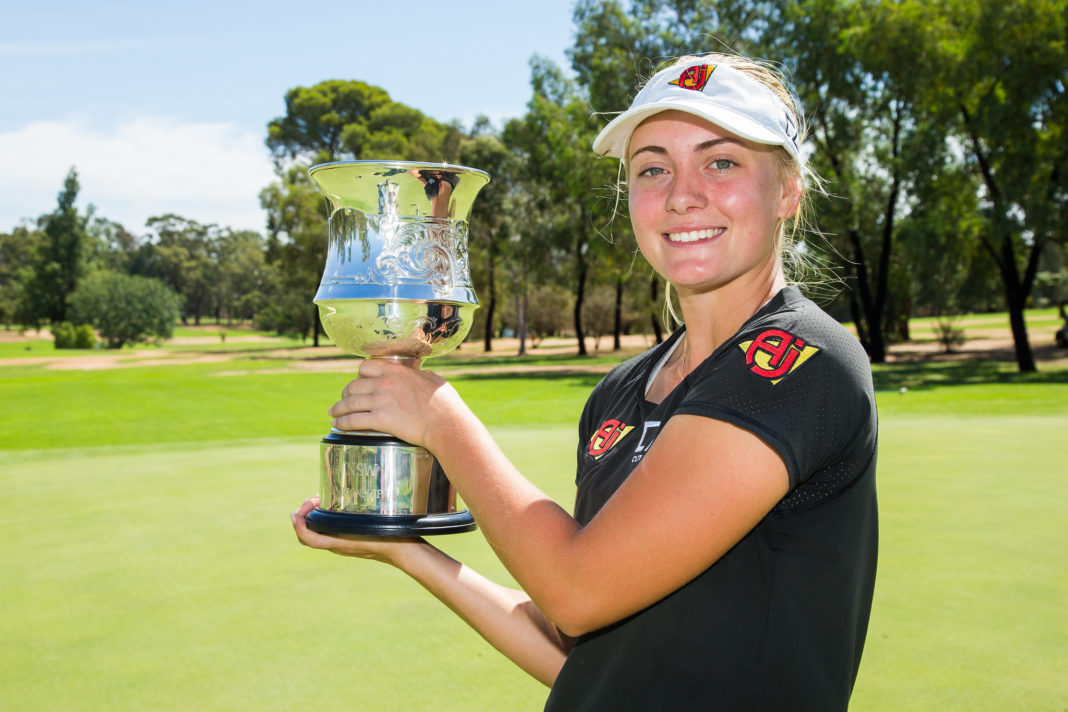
[(148, 561), (969, 603), (168, 578)]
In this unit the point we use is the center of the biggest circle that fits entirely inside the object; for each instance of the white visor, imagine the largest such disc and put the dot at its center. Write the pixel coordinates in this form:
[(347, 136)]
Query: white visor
[(717, 93)]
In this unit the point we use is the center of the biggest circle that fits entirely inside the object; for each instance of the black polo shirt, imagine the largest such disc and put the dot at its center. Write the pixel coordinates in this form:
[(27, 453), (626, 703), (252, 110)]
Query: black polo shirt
[(777, 623)]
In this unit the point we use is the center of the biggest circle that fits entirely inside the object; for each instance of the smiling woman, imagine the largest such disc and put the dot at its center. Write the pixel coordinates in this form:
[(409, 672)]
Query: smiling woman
[(721, 552)]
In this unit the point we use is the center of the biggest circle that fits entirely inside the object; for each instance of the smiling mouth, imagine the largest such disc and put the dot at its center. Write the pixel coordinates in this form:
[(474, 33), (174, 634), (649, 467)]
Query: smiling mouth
[(695, 235)]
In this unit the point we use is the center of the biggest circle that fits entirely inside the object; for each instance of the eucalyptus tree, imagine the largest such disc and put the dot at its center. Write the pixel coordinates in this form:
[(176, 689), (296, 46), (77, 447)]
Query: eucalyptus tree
[(185, 261), (993, 75), (296, 253), (552, 141), (241, 259), (491, 223), (18, 249)]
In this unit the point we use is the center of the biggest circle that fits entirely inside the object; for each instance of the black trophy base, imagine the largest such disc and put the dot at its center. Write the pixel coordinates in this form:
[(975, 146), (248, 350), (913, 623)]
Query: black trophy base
[(327, 522)]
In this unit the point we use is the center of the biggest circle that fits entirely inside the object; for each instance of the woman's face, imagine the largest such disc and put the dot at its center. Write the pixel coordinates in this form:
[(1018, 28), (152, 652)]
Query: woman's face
[(705, 204)]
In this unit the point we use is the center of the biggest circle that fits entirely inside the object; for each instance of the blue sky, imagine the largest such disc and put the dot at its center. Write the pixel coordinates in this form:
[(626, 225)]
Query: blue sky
[(163, 107)]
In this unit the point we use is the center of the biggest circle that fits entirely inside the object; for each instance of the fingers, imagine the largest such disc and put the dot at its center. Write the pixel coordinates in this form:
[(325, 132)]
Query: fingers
[(378, 548), (299, 519)]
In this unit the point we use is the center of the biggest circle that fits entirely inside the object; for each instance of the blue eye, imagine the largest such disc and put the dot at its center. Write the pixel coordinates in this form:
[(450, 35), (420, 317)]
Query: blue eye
[(722, 164), (652, 171)]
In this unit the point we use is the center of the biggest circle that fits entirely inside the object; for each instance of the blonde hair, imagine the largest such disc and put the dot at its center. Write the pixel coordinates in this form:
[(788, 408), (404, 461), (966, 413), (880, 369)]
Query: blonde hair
[(796, 265)]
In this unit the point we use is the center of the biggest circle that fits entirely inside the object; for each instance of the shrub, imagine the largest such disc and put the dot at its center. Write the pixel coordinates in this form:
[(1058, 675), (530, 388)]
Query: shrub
[(949, 334), (126, 309), (63, 335), (84, 337)]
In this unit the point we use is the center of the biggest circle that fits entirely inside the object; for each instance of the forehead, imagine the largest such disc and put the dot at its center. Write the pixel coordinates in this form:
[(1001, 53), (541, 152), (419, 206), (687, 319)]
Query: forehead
[(678, 128), (677, 134)]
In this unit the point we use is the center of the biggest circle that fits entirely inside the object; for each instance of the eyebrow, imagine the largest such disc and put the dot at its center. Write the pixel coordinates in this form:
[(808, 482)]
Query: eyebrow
[(703, 146)]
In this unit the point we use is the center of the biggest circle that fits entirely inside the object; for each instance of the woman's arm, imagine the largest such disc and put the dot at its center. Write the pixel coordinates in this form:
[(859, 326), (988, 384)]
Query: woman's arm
[(702, 487), (506, 618)]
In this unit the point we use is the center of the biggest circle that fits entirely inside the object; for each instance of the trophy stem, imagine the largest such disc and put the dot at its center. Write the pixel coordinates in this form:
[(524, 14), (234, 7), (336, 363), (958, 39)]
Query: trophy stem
[(409, 361)]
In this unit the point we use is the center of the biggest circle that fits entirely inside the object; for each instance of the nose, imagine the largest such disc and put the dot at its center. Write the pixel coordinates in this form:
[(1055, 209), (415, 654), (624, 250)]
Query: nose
[(686, 193)]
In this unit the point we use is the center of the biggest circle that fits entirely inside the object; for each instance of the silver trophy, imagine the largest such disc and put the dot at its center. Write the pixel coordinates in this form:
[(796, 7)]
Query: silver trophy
[(397, 285)]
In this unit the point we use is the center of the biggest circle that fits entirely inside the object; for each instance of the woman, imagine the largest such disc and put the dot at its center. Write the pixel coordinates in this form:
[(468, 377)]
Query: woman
[(722, 550)]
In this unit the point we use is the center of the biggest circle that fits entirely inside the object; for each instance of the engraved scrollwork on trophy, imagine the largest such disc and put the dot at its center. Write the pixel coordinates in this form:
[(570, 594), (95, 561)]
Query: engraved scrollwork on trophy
[(418, 253), (412, 252)]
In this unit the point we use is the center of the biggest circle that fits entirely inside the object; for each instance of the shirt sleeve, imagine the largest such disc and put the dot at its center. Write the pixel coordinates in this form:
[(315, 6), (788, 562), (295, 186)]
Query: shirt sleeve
[(805, 390)]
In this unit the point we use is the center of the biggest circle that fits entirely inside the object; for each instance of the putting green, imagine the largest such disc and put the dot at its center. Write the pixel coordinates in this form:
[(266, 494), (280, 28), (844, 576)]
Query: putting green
[(166, 576)]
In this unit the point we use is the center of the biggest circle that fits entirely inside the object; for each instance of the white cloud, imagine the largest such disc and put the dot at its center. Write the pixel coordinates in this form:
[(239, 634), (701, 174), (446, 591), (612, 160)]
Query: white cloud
[(208, 172)]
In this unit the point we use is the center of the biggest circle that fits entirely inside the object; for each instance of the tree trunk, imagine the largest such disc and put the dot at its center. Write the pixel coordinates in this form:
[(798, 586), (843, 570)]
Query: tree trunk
[(491, 308), (877, 318), (580, 293), (654, 291), (315, 325), (1016, 291), (858, 319), (1016, 299), (521, 319), (872, 336), (617, 327)]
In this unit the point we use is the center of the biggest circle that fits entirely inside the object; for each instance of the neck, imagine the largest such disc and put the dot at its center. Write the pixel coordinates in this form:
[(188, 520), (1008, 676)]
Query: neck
[(714, 317)]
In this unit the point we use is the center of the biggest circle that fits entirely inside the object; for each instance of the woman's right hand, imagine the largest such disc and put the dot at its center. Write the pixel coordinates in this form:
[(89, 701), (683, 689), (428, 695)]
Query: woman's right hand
[(384, 549)]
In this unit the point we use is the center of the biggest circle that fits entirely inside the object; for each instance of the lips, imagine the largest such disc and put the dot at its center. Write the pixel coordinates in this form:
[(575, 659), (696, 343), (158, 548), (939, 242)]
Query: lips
[(694, 235)]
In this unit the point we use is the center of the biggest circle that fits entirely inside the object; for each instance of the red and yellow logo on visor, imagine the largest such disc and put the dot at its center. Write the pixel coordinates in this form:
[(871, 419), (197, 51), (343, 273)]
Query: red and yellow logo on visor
[(694, 77), (775, 354), (607, 437)]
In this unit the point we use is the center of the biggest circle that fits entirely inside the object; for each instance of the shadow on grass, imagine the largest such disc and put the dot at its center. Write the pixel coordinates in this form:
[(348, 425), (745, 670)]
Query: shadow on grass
[(928, 374)]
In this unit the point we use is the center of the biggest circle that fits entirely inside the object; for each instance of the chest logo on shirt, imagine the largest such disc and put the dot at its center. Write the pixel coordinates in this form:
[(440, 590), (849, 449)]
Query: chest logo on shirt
[(607, 437), (775, 354)]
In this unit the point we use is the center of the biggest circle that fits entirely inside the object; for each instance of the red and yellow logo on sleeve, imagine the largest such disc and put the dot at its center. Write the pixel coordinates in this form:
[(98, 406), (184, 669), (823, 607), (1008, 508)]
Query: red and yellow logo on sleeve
[(775, 354)]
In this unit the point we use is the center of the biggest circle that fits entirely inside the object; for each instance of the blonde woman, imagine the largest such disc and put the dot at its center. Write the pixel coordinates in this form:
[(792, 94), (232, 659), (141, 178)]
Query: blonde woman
[(721, 552)]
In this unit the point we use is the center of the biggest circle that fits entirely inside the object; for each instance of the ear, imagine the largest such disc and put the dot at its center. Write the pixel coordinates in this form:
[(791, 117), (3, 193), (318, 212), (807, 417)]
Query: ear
[(792, 187)]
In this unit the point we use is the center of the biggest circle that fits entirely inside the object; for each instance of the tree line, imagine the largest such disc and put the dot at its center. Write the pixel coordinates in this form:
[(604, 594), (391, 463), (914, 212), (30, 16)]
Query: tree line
[(939, 130)]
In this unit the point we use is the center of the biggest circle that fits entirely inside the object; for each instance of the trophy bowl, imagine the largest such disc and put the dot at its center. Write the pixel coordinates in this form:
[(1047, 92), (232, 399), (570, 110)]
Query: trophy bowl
[(396, 285)]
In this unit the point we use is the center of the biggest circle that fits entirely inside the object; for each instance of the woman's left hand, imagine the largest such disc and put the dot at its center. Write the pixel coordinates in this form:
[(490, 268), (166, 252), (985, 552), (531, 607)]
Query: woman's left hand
[(407, 403)]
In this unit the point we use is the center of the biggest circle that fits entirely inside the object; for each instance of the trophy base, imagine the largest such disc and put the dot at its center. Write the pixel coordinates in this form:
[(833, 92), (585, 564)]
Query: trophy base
[(373, 484), (397, 525)]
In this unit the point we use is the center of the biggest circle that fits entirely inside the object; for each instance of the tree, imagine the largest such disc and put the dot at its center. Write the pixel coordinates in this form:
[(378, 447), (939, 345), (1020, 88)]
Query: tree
[(125, 309), (1005, 117), (296, 253), (552, 142), (111, 246), (17, 251), (339, 119), (185, 260), (60, 260), (240, 258), (1013, 118), (490, 222)]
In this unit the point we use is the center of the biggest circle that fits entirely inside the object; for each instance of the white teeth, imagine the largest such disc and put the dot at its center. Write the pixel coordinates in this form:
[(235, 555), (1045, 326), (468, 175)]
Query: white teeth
[(693, 235)]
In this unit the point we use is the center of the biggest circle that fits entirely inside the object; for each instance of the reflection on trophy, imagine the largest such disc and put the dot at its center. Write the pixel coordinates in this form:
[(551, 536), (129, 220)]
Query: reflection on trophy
[(397, 285)]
